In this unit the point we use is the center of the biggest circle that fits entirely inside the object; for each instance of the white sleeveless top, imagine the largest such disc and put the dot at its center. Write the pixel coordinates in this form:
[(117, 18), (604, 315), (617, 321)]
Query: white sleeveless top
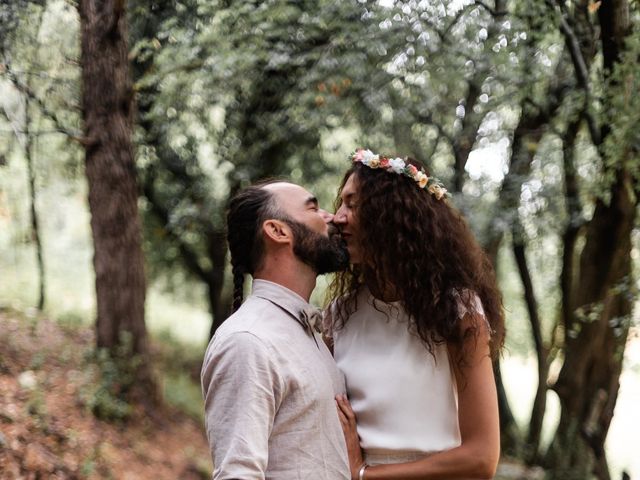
[(405, 400)]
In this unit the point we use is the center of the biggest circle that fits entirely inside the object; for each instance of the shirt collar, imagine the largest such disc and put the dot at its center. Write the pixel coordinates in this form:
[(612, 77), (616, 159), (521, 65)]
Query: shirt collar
[(281, 296)]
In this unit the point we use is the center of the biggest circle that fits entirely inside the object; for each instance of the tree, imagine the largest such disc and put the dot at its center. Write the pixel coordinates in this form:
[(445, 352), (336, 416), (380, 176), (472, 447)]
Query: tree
[(26, 132), (598, 294), (107, 106), (263, 89)]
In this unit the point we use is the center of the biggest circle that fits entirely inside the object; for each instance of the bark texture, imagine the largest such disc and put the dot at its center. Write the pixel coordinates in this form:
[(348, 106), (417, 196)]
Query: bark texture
[(113, 193)]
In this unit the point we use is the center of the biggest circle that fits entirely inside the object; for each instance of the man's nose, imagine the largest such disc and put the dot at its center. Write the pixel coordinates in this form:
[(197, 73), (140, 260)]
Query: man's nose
[(326, 216)]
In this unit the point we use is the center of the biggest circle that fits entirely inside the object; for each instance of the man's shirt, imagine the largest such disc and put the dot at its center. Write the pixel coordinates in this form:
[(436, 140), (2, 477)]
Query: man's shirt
[(269, 384)]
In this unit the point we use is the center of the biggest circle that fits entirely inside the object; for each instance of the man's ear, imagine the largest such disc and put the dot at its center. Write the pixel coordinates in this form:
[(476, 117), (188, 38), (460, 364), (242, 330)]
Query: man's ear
[(277, 230)]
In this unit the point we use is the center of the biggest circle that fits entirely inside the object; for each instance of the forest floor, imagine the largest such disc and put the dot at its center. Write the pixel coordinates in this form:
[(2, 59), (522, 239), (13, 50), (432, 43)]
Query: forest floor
[(47, 431)]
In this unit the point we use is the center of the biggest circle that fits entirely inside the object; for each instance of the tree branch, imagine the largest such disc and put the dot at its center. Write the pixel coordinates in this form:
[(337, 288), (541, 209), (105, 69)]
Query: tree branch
[(464, 142), (21, 87), (539, 403), (575, 223), (580, 67), (499, 11), (34, 133)]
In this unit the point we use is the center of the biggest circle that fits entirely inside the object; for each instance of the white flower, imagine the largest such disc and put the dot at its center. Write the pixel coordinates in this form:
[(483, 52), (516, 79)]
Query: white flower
[(367, 156), (422, 179), (397, 165)]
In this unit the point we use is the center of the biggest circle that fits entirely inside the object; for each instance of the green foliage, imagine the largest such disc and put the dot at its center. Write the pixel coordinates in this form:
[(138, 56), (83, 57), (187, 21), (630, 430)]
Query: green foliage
[(37, 361), (112, 375), (243, 91), (181, 391), (622, 146), (36, 405), (88, 466), (70, 321), (11, 13), (92, 464), (180, 367), (175, 354)]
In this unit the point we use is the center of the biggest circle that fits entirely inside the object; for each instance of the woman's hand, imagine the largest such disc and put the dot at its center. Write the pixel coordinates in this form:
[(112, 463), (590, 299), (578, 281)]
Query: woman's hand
[(348, 422)]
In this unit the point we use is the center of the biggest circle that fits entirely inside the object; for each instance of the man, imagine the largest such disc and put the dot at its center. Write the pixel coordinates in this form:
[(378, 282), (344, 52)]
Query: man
[(269, 381)]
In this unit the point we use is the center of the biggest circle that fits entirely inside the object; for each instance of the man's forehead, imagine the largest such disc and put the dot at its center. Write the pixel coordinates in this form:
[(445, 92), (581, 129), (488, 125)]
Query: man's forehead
[(288, 191)]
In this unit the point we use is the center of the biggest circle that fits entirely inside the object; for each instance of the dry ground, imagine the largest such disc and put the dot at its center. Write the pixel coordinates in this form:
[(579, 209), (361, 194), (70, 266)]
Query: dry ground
[(47, 432)]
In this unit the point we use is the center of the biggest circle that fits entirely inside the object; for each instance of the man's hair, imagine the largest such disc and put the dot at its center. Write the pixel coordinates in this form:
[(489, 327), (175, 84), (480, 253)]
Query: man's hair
[(248, 210), (424, 248)]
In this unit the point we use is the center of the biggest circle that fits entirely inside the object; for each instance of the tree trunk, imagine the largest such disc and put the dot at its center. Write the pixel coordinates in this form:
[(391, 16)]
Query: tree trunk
[(598, 317), (510, 436), (529, 128), (595, 340), (29, 149), (113, 194), (464, 141), (532, 443)]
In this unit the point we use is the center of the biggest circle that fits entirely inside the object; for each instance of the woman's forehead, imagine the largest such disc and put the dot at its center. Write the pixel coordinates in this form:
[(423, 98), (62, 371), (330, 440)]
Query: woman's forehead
[(350, 186)]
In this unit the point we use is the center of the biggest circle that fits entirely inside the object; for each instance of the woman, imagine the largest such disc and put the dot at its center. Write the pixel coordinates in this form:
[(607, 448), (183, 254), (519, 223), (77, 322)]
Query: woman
[(417, 321)]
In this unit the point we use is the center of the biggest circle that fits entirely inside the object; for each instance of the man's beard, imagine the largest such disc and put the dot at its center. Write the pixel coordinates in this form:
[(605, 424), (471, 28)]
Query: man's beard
[(325, 254)]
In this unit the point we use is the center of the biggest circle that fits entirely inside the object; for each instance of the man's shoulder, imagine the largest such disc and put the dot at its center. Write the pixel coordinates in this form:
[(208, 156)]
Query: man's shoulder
[(250, 318), (239, 337), (257, 321)]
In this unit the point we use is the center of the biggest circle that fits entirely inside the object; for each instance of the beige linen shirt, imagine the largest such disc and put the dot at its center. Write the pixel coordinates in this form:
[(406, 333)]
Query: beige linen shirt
[(269, 384)]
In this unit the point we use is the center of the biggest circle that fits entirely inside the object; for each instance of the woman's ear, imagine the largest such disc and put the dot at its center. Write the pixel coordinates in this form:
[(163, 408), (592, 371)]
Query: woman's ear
[(277, 230)]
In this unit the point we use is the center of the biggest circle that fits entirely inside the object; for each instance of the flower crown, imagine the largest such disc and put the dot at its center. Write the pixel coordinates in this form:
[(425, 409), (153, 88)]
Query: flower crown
[(401, 167)]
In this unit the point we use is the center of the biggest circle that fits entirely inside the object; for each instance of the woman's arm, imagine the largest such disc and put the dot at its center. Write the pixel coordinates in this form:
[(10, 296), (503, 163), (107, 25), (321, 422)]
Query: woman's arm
[(477, 456)]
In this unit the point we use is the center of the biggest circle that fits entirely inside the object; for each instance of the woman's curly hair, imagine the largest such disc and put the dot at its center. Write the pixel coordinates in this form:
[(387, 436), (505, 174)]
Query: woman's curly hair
[(425, 250)]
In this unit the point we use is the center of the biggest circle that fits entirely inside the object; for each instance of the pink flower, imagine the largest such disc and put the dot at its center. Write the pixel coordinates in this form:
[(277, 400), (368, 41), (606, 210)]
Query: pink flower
[(384, 162), (359, 155), (413, 170)]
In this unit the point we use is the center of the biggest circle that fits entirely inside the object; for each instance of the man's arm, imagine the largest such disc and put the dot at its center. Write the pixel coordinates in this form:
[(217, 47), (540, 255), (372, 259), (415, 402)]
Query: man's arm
[(242, 393)]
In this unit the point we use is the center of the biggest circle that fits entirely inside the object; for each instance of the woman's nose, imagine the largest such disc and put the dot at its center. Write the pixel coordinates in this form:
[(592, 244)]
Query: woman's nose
[(340, 216)]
